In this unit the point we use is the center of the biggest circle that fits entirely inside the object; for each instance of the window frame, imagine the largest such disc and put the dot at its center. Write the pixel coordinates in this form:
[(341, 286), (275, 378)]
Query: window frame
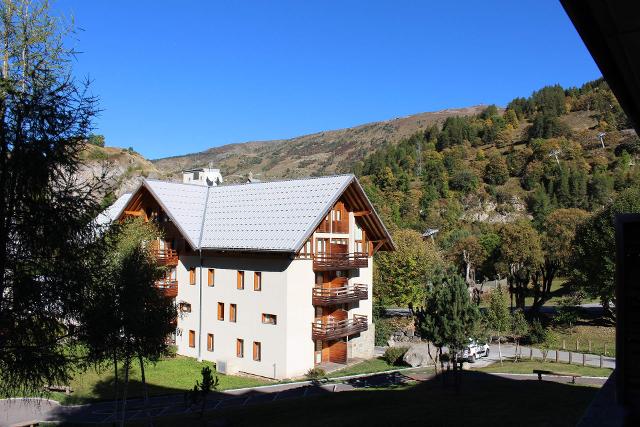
[(269, 315), (210, 342), (192, 276), (239, 348), (257, 351), (240, 280), (257, 281), (192, 338), (221, 311), (233, 313), (211, 274)]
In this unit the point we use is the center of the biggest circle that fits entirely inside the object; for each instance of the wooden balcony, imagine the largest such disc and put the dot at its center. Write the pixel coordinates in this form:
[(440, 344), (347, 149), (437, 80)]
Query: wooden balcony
[(169, 287), (337, 329), (344, 294), (340, 261), (166, 256)]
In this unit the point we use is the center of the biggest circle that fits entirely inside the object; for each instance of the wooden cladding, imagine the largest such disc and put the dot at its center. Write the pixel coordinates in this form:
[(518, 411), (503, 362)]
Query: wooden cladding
[(240, 280), (209, 342), (192, 338), (233, 312), (336, 221), (340, 261), (240, 347), (332, 329), (192, 275), (339, 295), (211, 273), (257, 351), (220, 311), (257, 281)]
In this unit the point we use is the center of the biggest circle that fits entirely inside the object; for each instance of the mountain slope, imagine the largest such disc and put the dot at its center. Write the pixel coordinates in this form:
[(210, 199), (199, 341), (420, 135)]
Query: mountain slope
[(320, 153)]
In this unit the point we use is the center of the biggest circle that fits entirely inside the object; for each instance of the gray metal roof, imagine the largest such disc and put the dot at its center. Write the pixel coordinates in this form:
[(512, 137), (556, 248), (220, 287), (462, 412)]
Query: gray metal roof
[(265, 216), (112, 212)]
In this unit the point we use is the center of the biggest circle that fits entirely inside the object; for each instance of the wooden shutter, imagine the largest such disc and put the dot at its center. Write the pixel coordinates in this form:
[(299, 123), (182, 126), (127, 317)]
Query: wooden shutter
[(257, 281), (239, 347), (256, 351), (220, 311), (192, 339), (192, 276), (240, 284), (210, 342), (210, 277), (232, 312)]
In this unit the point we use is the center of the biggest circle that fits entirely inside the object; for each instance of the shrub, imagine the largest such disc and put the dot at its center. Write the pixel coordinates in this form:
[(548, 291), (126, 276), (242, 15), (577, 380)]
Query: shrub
[(384, 328), (537, 333), (172, 351), (394, 355), (315, 374)]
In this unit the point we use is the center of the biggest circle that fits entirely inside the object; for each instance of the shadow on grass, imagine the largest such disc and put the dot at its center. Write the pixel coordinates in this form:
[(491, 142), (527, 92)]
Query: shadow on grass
[(483, 399)]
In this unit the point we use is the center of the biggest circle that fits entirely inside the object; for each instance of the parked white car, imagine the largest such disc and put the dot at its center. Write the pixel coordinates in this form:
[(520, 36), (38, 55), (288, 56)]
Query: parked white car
[(475, 350)]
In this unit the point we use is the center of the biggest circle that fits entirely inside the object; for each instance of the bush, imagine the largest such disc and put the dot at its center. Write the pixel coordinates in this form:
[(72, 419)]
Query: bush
[(172, 351), (537, 333), (394, 355), (315, 374), (384, 328)]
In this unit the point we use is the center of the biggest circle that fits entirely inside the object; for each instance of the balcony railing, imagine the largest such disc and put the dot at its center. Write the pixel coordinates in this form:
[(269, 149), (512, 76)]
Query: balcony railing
[(169, 287), (344, 294), (166, 256), (333, 329), (340, 261)]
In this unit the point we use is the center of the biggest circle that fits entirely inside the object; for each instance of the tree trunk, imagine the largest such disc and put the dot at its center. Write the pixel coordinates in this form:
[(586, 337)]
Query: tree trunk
[(127, 363), (499, 351), (115, 391), (145, 391)]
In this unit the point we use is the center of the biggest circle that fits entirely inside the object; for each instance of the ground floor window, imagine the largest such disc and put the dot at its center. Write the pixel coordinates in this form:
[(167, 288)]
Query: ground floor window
[(192, 338), (257, 350), (240, 347), (210, 342)]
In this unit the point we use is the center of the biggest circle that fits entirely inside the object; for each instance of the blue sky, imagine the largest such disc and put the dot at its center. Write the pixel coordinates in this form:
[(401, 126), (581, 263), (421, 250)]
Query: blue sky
[(176, 77)]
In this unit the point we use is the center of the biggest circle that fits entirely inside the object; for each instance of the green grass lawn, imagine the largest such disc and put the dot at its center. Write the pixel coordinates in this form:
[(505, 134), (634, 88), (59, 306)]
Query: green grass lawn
[(483, 400), (527, 367), (598, 335), (167, 376)]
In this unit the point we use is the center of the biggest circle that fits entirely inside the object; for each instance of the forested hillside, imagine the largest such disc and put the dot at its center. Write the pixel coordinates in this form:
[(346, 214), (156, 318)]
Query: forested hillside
[(497, 183)]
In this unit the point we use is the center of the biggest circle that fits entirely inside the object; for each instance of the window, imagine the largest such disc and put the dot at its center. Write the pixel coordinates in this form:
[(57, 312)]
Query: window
[(210, 277), (257, 281), (209, 342), (256, 351), (220, 311), (270, 319), (239, 347), (240, 280), (192, 338), (185, 307), (192, 276), (233, 312)]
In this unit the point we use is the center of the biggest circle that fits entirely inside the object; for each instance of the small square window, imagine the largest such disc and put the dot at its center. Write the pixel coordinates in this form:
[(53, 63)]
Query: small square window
[(240, 284), (211, 277), (233, 312), (192, 276), (220, 311), (270, 319), (192, 338), (257, 281)]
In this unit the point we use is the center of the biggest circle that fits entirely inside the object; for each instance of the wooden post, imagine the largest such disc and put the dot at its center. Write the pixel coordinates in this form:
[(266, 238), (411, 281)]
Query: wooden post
[(601, 361), (583, 359), (589, 346), (605, 349), (564, 344), (557, 360), (577, 345), (530, 353), (570, 358)]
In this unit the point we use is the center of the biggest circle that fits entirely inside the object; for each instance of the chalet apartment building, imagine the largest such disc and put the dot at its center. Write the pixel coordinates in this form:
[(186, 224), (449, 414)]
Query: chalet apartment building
[(270, 278)]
